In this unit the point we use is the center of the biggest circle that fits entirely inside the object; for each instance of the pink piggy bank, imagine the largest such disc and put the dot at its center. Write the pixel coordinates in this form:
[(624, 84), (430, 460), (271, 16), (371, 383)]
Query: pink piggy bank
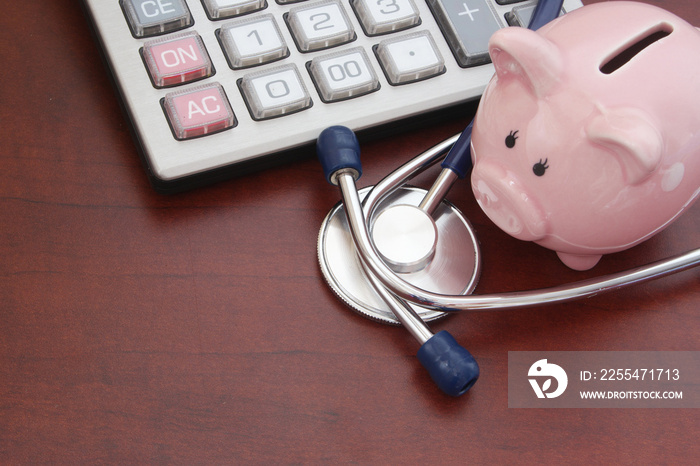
[(587, 139)]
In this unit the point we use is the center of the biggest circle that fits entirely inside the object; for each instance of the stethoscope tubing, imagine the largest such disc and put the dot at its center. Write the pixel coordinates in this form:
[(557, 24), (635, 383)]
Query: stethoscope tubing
[(359, 217), (450, 365)]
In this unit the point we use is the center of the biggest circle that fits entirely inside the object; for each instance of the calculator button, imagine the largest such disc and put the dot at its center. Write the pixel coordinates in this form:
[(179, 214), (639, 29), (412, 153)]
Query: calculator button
[(220, 9), (521, 15), (152, 17), (275, 92), (319, 25), (198, 111), (177, 59), (467, 26), (343, 75), (383, 16), (252, 41), (410, 58)]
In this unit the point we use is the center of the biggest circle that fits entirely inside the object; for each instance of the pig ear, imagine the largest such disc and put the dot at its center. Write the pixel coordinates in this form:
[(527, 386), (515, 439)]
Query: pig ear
[(526, 55), (634, 139)]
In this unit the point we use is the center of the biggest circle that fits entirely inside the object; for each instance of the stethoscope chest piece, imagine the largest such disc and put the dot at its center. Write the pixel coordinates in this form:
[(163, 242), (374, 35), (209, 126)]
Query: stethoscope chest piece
[(438, 253), (405, 237)]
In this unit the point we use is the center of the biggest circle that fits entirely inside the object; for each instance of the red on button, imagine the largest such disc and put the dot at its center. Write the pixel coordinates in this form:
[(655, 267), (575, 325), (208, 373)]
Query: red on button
[(177, 59), (198, 111)]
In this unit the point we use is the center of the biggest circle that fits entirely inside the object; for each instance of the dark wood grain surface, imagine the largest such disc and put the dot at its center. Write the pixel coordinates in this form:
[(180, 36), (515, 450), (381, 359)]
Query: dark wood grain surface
[(197, 328)]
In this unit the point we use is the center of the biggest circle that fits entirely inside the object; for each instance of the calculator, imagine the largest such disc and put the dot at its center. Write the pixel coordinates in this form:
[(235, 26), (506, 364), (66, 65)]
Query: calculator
[(219, 88)]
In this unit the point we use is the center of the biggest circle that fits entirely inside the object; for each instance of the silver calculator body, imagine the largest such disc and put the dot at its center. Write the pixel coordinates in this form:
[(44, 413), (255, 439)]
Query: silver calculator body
[(219, 88)]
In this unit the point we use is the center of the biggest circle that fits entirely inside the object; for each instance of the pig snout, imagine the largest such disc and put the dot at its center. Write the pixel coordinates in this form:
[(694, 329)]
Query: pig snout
[(507, 203)]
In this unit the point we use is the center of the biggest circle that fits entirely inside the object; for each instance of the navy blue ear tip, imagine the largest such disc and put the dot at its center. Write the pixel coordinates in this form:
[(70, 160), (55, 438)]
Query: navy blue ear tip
[(337, 148), (451, 367)]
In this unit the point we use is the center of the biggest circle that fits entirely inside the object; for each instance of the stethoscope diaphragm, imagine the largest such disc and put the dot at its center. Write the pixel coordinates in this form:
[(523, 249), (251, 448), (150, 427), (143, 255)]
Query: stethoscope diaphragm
[(453, 266)]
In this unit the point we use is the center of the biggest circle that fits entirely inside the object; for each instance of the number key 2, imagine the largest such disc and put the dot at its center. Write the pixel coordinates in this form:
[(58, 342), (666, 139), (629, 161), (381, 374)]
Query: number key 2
[(320, 25)]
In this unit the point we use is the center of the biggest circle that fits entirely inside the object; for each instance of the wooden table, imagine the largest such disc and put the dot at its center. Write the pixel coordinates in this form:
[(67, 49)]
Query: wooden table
[(197, 328)]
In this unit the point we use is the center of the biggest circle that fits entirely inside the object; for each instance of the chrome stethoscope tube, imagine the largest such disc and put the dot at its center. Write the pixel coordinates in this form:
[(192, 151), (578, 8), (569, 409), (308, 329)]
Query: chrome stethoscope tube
[(359, 217)]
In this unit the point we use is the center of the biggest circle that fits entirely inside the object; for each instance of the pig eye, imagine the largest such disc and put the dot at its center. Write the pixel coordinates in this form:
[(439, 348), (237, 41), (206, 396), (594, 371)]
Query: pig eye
[(540, 167), (510, 139)]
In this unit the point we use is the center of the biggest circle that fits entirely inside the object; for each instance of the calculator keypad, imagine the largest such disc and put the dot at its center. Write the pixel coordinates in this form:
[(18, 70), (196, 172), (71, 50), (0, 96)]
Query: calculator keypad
[(217, 85)]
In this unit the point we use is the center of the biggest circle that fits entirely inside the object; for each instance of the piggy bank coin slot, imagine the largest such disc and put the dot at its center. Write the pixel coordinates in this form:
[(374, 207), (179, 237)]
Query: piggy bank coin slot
[(625, 55)]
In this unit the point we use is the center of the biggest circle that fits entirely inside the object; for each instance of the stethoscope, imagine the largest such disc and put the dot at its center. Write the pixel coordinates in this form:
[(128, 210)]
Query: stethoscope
[(403, 255)]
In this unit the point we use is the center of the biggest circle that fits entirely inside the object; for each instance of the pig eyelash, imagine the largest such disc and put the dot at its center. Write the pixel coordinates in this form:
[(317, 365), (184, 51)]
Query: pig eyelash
[(540, 167), (510, 139)]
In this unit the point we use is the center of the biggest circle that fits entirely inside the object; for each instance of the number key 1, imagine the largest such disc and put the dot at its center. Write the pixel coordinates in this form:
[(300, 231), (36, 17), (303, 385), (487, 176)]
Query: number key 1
[(252, 41)]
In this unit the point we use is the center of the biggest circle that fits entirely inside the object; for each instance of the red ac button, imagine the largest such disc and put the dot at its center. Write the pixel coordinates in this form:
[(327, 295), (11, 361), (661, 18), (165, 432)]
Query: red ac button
[(198, 111)]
